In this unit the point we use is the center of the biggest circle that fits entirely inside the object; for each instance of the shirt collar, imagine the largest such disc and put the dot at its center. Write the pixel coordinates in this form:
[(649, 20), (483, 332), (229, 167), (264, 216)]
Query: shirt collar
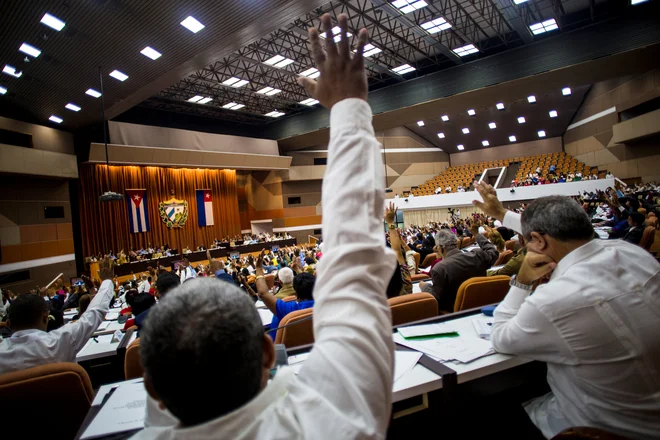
[(583, 252), (26, 332), (453, 252)]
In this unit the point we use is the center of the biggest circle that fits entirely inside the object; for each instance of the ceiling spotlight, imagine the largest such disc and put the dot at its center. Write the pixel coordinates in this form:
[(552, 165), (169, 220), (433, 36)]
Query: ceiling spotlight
[(121, 76), (460, 147), (553, 113), (531, 99), (566, 91), (420, 123), (512, 138), (466, 130), (192, 24), (151, 53), (541, 133), (11, 71), (55, 119), (471, 112), (93, 93), (72, 107), (492, 125), (499, 106), (521, 120), (441, 135), (445, 118), (485, 143), (29, 50), (312, 72), (52, 22)]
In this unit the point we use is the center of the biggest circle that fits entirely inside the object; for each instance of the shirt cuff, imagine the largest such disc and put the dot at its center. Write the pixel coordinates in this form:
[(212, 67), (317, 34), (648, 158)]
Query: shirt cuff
[(514, 299), (351, 112), (512, 221)]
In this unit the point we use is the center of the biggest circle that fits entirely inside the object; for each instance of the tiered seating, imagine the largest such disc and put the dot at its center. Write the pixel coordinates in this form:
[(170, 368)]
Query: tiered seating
[(564, 163), (462, 175)]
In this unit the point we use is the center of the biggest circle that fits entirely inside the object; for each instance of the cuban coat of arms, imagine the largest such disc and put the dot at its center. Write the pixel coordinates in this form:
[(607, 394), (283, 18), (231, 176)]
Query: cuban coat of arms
[(174, 212)]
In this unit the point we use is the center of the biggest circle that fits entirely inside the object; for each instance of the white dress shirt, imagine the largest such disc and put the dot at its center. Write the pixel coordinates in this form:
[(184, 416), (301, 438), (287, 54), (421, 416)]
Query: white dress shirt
[(344, 389), (596, 325), (30, 348), (144, 287)]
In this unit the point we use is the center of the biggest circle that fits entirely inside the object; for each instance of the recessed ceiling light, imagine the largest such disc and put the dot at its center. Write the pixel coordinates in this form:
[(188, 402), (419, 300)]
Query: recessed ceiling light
[(541, 133), (2, 90), (151, 53), (531, 99), (492, 125), (309, 101), (521, 120), (499, 106), (485, 143), (268, 91), (29, 50), (566, 91), (121, 76), (441, 135), (435, 26), (553, 113), (403, 69), (465, 50), (52, 22), (636, 2), (195, 98), (445, 118), (274, 114), (192, 24), (205, 100), (512, 138), (519, 1), (466, 130), (543, 27), (312, 72), (420, 123), (55, 119), (278, 61), (11, 70), (235, 82), (72, 107), (370, 50), (471, 112), (336, 31), (460, 147), (407, 6), (93, 93), (233, 106)]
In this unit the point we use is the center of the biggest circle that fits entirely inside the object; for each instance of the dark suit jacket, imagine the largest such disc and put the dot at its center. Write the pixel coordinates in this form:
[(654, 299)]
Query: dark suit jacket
[(456, 267), (634, 234)]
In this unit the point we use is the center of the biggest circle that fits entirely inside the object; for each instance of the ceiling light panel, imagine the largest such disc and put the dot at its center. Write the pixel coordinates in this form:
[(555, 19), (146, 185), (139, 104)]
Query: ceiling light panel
[(2, 90), (543, 27), (521, 120), (465, 50), (93, 93), (195, 98), (311, 73), (485, 143), (72, 107), (11, 71), (403, 69), (460, 147), (274, 114), (517, 2), (500, 106), (118, 75), (205, 100), (566, 91), (151, 53), (471, 112), (268, 91), (408, 6), (192, 24), (336, 31), (278, 61), (492, 125), (512, 138), (233, 106), (55, 119), (466, 130), (420, 123), (445, 118), (441, 135), (435, 26), (541, 133), (29, 50), (52, 22), (371, 50), (636, 2), (309, 102), (235, 82), (553, 113), (531, 99)]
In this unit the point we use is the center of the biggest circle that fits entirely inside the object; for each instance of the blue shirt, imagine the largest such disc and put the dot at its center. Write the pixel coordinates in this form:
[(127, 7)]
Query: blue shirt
[(283, 308), (222, 275)]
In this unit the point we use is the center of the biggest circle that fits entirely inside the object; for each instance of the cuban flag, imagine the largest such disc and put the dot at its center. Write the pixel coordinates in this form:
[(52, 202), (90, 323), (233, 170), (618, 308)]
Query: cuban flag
[(205, 207), (138, 217)]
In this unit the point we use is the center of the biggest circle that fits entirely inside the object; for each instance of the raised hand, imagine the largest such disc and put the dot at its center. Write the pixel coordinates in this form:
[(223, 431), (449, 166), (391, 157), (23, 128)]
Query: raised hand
[(491, 205), (259, 268), (106, 269), (214, 265), (390, 214), (341, 77)]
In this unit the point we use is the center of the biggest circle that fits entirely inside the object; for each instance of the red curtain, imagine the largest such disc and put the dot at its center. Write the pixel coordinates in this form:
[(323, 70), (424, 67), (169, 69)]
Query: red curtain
[(105, 225)]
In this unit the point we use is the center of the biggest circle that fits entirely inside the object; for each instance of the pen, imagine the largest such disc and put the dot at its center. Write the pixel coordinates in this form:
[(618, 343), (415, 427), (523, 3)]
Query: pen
[(95, 340)]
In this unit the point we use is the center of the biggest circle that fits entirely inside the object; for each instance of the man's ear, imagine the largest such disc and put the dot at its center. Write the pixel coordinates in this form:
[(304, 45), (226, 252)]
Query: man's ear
[(149, 386), (538, 242), (268, 359)]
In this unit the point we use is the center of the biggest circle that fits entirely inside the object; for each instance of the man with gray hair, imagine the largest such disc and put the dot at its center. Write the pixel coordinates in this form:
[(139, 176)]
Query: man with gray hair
[(595, 323), (286, 277), (206, 357), (457, 266)]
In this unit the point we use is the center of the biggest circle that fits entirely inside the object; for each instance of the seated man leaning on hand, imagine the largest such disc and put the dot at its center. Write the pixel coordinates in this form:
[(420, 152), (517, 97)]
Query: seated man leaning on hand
[(30, 345), (205, 355), (595, 323)]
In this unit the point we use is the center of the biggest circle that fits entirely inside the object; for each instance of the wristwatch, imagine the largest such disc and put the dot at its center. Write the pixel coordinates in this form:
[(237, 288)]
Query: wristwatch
[(515, 283)]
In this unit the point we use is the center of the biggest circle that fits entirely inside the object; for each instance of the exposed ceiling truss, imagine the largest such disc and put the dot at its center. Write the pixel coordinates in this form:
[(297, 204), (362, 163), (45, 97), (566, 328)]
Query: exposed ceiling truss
[(491, 26)]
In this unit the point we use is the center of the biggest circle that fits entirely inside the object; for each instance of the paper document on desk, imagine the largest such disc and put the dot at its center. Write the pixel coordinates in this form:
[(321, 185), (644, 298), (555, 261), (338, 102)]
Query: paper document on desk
[(110, 316), (104, 325), (415, 331), (425, 270), (404, 361), (462, 349), (124, 411), (266, 316), (483, 326), (105, 389), (260, 304)]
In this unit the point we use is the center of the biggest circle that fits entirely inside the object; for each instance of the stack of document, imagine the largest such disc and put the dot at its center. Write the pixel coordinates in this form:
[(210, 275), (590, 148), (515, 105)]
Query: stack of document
[(124, 411), (462, 349), (435, 329), (483, 325), (110, 316), (404, 361)]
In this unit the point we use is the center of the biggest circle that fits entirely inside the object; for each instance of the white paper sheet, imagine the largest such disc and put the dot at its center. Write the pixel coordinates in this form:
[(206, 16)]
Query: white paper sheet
[(416, 288), (438, 328), (104, 325), (105, 389), (111, 316), (463, 349), (483, 326), (404, 361), (265, 315), (124, 411), (260, 304)]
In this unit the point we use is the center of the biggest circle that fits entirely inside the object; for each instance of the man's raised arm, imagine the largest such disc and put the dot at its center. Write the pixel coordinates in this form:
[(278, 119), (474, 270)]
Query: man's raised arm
[(351, 363)]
